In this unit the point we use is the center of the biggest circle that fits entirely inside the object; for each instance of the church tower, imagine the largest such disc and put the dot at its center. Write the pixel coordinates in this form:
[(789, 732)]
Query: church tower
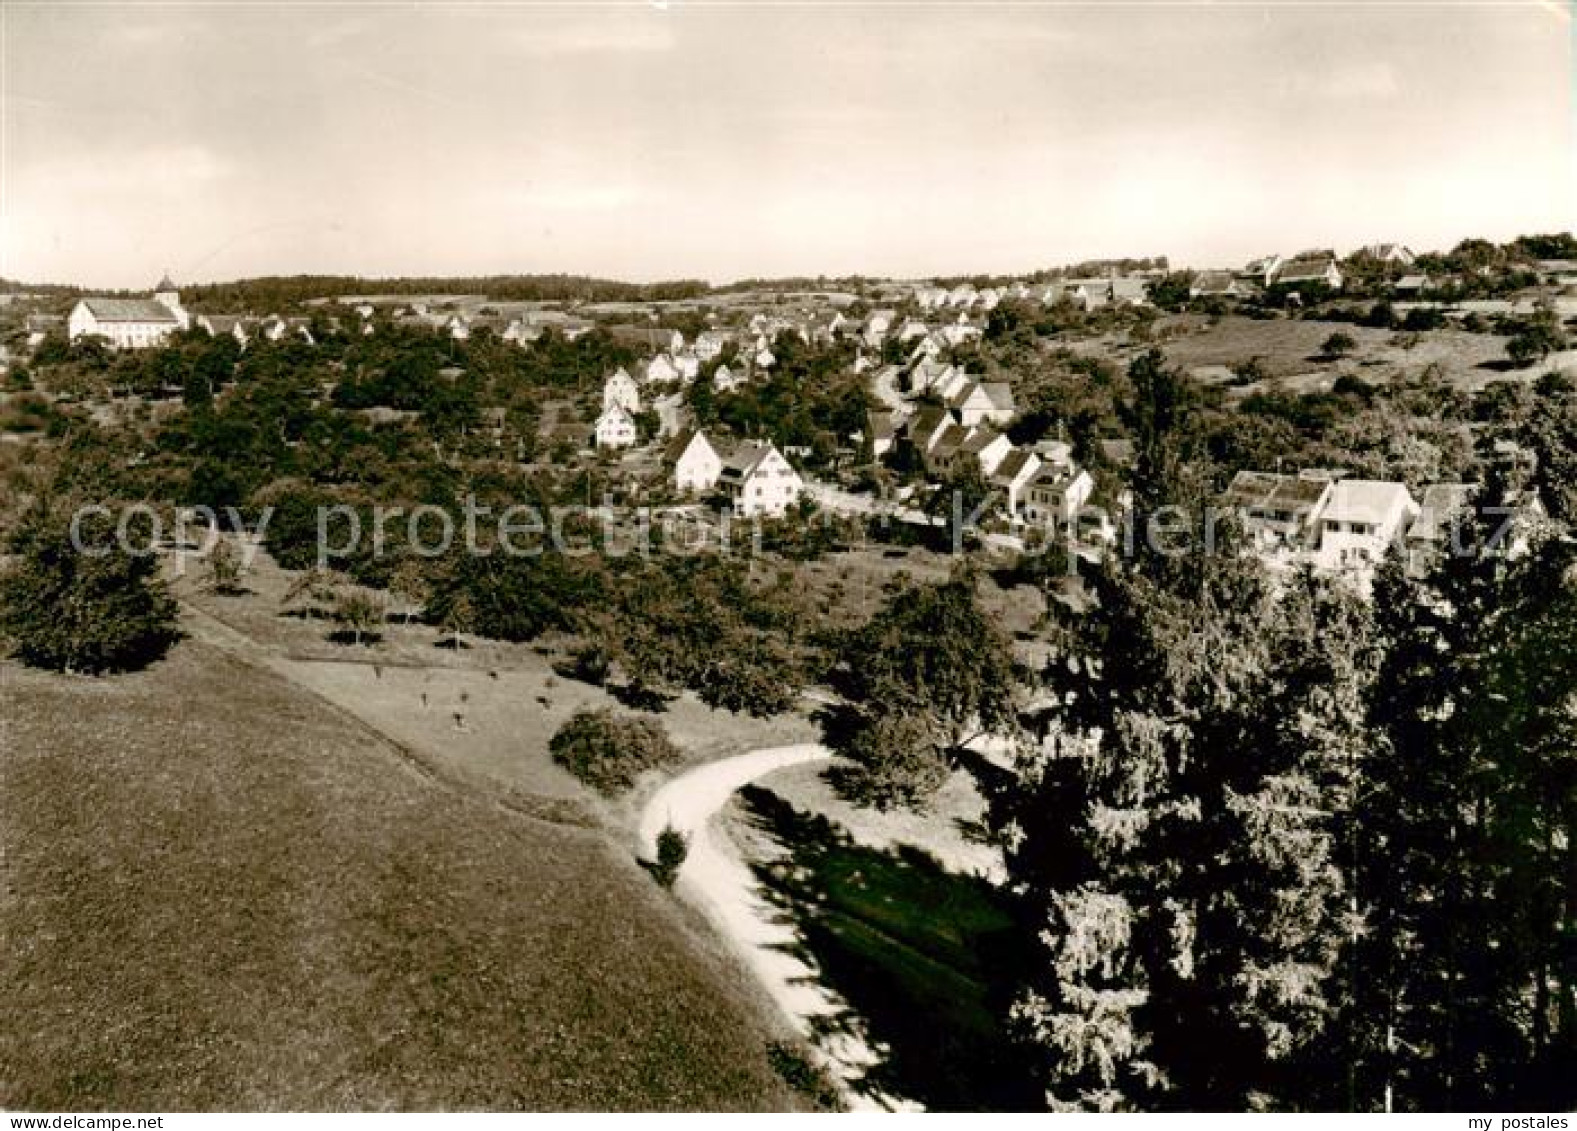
[(167, 295)]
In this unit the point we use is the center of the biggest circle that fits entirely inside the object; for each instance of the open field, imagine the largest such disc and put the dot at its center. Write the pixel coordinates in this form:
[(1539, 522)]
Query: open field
[(1290, 347), (216, 891)]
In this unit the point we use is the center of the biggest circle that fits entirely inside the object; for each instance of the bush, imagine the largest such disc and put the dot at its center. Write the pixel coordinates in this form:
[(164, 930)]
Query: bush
[(102, 610), (609, 752), (673, 848)]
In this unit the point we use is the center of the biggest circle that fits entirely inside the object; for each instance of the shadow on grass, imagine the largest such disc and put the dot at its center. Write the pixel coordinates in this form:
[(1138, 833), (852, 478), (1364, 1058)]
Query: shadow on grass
[(918, 953)]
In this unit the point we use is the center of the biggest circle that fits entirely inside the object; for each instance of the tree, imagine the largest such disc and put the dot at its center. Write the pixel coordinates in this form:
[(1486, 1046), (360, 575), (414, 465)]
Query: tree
[(1338, 345), (358, 610), (608, 751), (224, 568), (673, 848), (897, 762), (1538, 338), (1178, 839), (85, 605), (932, 652), (409, 582)]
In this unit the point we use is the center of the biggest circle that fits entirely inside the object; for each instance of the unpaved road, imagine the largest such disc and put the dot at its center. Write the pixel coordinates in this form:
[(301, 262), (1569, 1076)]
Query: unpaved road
[(716, 880)]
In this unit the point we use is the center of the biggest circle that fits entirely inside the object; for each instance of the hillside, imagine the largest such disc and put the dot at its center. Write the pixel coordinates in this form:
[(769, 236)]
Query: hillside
[(217, 892)]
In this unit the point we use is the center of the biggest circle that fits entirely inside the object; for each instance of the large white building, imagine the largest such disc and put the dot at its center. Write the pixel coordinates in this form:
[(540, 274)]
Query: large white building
[(130, 323)]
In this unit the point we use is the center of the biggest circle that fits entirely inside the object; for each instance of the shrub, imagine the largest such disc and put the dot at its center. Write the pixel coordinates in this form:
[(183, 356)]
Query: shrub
[(673, 848), (96, 609), (608, 751)]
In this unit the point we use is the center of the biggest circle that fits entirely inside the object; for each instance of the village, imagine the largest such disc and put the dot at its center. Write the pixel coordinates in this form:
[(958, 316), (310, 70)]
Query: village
[(930, 417)]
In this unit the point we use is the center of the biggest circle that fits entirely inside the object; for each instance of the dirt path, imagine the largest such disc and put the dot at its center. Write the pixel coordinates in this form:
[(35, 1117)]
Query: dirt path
[(715, 879)]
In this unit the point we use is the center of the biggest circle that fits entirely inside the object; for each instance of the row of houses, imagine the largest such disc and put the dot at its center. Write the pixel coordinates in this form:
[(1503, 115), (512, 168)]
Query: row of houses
[(1341, 525)]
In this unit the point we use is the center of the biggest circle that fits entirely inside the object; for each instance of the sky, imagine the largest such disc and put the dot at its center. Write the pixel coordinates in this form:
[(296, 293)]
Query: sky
[(731, 140)]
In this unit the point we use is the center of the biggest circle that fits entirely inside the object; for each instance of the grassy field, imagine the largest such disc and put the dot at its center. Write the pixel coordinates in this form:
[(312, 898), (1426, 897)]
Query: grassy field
[(1290, 348), (217, 891)]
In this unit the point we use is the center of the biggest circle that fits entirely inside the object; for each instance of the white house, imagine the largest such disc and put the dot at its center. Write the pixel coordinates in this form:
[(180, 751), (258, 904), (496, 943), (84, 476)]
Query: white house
[(760, 480), (615, 428), (725, 380), (620, 389), (661, 370), (697, 462), (1320, 269), (222, 325), (982, 402), (1056, 495), (1013, 475), (130, 323), (1362, 519), (710, 343)]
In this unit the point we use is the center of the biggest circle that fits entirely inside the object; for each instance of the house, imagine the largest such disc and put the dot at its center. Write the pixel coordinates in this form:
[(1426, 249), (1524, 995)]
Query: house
[(710, 343), (726, 380), (963, 295), (661, 370), (1056, 495), (941, 457), (1279, 511), (1320, 270), (882, 429), (759, 480), (1362, 519), (928, 374), (1412, 285), (688, 365), (877, 323), (615, 428), (1395, 253), (520, 331), (764, 359), (912, 330), (225, 325), (1261, 271), (1130, 291), (130, 323), (983, 401), (988, 446), (620, 389), (1218, 284), (1013, 475), (697, 462), (926, 428), (276, 328)]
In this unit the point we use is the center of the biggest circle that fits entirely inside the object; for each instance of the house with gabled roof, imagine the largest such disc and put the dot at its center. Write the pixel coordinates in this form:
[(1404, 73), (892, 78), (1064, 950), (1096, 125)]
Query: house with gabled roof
[(983, 402), (697, 462), (615, 428), (620, 389), (1012, 476), (1361, 521), (661, 370), (759, 480), (1056, 495), (236, 326), (1310, 270), (988, 447), (726, 380)]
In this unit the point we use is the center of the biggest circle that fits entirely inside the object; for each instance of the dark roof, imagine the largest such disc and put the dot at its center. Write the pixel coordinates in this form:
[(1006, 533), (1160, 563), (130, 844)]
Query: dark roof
[(1012, 465), (129, 310), (1264, 490)]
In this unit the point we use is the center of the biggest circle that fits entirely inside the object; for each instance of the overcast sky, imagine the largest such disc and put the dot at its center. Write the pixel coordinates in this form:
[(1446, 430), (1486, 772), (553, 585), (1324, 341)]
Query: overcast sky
[(225, 140)]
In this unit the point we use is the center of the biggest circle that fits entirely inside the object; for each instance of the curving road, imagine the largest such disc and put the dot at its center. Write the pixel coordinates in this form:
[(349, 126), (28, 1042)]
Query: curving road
[(716, 880)]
